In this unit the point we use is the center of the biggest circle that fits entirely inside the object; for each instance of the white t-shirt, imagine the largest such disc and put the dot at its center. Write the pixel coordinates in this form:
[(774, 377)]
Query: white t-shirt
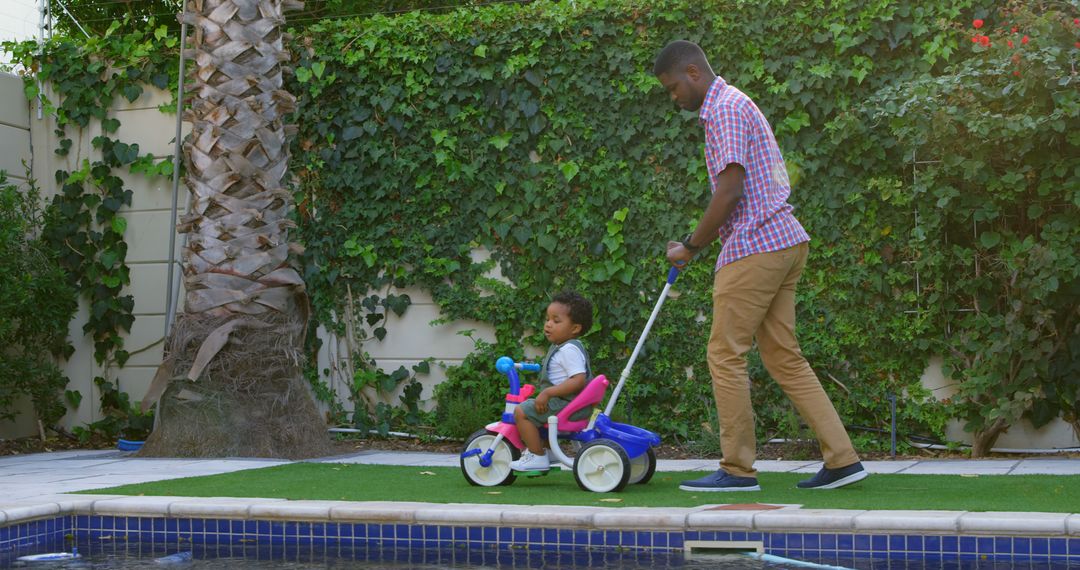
[(566, 362)]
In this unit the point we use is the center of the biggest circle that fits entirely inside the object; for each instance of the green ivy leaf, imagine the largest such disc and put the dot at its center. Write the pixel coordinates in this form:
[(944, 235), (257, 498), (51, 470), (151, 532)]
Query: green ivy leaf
[(989, 239), (569, 170)]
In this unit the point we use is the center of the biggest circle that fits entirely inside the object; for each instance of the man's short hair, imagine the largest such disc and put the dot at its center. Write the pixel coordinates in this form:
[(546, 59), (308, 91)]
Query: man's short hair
[(677, 55)]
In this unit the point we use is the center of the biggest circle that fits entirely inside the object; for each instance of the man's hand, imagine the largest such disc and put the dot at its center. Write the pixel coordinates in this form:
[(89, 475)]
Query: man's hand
[(677, 255), (541, 404)]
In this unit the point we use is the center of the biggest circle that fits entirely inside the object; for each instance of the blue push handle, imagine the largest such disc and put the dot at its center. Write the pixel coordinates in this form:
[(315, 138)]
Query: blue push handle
[(530, 367), (672, 275)]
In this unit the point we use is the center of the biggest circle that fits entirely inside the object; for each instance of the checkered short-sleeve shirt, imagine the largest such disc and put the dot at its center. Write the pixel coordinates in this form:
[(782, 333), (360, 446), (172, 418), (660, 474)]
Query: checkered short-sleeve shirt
[(737, 132)]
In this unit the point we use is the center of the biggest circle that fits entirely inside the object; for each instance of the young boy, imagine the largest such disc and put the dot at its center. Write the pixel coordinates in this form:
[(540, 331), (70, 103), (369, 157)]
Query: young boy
[(563, 374)]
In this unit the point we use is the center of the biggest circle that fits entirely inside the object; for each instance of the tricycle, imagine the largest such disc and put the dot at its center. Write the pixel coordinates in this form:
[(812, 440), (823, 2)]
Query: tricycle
[(608, 455)]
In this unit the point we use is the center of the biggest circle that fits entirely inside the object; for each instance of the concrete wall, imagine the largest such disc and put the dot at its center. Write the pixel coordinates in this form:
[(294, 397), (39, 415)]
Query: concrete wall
[(410, 338)]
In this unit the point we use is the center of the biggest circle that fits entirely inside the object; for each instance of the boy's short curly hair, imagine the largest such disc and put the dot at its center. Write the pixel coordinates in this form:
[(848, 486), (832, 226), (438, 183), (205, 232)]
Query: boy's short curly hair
[(580, 308)]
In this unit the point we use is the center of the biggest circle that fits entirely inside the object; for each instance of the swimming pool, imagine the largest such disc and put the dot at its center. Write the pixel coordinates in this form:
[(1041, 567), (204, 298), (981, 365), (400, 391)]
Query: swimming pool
[(212, 537)]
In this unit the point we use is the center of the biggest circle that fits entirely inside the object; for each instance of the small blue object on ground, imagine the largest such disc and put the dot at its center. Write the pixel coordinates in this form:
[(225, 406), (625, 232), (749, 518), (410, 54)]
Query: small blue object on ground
[(127, 445), (721, 481)]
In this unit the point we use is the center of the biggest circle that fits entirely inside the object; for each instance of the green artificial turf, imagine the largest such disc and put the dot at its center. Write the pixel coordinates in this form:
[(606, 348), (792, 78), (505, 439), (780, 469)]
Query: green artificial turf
[(328, 481)]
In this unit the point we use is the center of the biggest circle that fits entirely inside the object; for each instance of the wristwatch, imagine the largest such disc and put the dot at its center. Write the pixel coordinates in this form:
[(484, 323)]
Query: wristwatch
[(689, 246)]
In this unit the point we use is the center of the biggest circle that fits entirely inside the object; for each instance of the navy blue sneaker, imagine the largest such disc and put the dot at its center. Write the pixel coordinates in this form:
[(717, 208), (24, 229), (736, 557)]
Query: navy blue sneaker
[(721, 481), (834, 478)]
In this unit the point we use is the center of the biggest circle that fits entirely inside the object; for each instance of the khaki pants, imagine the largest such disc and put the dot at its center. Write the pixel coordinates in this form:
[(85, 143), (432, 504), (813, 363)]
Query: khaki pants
[(754, 297)]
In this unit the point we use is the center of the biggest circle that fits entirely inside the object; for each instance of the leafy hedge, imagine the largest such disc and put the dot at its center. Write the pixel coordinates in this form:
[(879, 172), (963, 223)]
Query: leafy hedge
[(36, 305), (538, 133)]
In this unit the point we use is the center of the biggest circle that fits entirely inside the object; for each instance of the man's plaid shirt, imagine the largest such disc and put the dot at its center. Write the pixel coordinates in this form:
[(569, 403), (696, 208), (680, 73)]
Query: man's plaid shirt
[(737, 132)]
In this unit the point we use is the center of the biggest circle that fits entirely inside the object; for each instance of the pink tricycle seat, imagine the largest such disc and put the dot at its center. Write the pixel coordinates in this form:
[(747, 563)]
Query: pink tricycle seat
[(592, 395)]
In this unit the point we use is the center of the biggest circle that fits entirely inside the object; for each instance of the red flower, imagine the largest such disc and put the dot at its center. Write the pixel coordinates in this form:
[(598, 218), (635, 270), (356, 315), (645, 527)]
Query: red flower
[(1016, 73), (975, 39), (1077, 44), (977, 23), (984, 41), (1076, 21), (1010, 43), (1024, 40), (1014, 29)]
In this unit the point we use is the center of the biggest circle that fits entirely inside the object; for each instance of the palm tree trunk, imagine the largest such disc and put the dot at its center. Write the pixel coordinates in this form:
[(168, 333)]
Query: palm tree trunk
[(232, 378)]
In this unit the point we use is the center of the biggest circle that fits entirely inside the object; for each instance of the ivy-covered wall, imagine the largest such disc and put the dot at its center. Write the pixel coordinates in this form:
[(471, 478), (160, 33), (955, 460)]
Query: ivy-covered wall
[(538, 133)]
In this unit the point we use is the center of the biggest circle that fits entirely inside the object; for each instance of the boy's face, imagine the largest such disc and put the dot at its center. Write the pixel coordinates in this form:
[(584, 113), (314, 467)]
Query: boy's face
[(558, 328)]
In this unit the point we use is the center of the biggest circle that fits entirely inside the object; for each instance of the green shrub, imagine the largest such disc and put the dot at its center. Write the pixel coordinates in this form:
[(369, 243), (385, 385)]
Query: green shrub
[(35, 308)]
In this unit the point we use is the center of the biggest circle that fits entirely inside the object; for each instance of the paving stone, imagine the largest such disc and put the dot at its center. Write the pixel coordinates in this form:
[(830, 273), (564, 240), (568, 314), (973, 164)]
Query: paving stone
[(1034, 524), (793, 519), (913, 521)]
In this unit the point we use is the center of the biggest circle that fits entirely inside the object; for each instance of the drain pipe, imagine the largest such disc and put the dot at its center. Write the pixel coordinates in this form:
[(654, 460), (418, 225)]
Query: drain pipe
[(773, 559)]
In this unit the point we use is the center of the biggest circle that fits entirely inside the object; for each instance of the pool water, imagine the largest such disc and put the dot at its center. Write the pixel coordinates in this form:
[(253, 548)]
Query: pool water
[(129, 555), (136, 555)]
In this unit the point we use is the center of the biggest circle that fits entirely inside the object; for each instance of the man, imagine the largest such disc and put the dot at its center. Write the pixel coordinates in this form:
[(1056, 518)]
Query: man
[(763, 254)]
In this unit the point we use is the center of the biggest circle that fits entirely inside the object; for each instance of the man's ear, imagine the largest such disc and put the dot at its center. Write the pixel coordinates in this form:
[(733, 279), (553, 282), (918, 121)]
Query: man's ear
[(693, 72)]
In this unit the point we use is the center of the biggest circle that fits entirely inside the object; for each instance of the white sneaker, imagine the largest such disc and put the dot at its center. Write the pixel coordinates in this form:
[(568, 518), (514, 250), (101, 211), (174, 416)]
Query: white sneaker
[(531, 462)]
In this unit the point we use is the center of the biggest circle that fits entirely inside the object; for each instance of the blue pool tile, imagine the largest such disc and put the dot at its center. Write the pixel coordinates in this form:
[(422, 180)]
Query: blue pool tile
[(692, 535), (777, 540), (951, 543), (879, 543), (629, 538), (431, 532), (416, 533), (1074, 547), (520, 535), (1040, 546), (1021, 545), (914, 542), (551, 536), (476, 534), (660, 540), (581, 538), (739, 536), (611, 538), (675, 540), (191, 525), (897, 542), (828, 542), (968, 545), (83, 521), (1003, 545), (984, 545), (184, 525), (862, 542), (596, 538), (645, 539), (505, 534), (461, 534), (795, 540), (446, 533), (132, 523), (756, 537), (491, 535), (1059, 547), (811, 540), (932, 544), (845, 542)]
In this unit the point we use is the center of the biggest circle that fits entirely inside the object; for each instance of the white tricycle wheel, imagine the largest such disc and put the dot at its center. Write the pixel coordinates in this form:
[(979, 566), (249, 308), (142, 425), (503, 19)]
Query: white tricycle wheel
[(499, 472), (602, 467), (643, 467)]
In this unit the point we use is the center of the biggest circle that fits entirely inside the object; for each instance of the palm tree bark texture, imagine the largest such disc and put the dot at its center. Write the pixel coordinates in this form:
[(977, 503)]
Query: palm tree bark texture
[(231, 382)]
